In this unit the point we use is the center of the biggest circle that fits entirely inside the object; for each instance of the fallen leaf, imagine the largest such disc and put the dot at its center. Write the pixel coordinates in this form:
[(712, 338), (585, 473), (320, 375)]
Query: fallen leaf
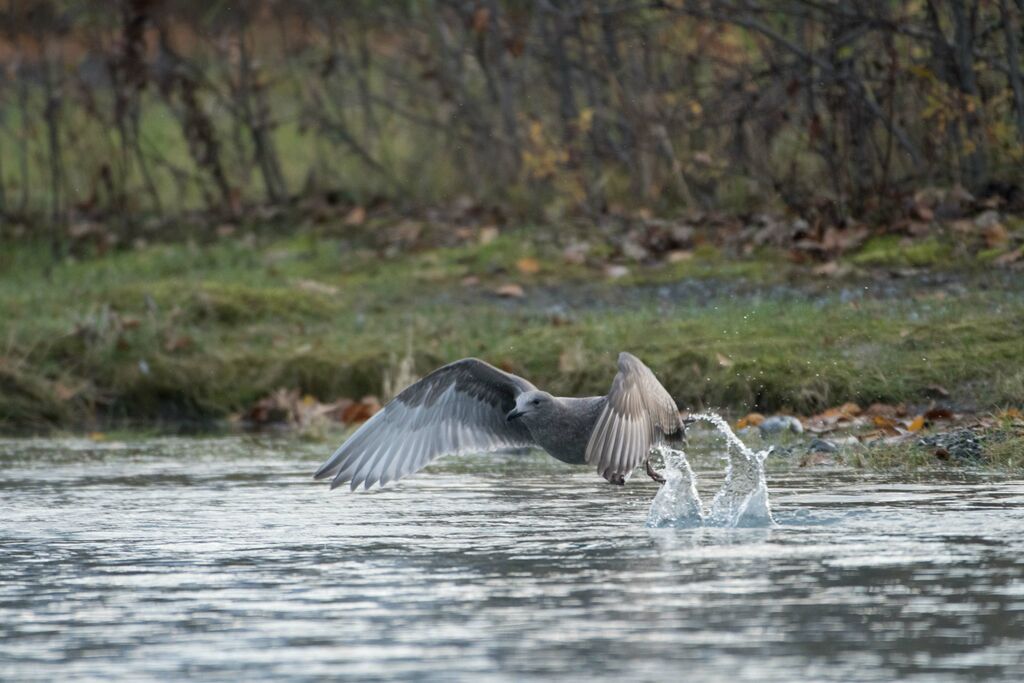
[(614, 272), (917, 424), (751, 420), (178, 343), (851, 409), (488, 234), (481, 17), (924, 213), (510, 291), (361, 411), (1011, 414), (64, 393), (357, 216), (828, 269), (996, 235), (317, 287), (938, 414), (724, 361), (97, 436), (881, 409), (528, 266), (1009, 257), (679, 255)]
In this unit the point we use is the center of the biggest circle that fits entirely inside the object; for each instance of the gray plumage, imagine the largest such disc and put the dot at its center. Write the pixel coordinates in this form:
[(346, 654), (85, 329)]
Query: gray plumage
[(470, 406)]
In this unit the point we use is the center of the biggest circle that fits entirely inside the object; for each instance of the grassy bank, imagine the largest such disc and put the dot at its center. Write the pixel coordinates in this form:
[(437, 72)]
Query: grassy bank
[(178, 332)]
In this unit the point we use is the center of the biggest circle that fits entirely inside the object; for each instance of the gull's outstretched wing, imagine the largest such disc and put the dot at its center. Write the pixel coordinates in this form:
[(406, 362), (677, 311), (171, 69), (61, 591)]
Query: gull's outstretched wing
[(459, 408), (638, 414)]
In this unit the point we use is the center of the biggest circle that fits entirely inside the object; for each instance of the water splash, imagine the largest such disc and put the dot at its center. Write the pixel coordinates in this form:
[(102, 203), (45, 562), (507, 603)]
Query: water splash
[(742, 500)]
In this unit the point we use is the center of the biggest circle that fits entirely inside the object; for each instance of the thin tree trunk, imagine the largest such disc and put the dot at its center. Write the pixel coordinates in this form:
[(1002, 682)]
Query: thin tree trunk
[(23, 167), (51, 115), (257, 116), (1011, 25)]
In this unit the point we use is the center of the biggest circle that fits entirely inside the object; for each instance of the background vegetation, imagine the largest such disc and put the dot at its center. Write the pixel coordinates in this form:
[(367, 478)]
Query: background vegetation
[(139, 110), (206, 204)]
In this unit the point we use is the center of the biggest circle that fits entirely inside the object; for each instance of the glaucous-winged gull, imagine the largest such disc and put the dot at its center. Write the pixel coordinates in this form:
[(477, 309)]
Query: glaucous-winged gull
[(470, 406)]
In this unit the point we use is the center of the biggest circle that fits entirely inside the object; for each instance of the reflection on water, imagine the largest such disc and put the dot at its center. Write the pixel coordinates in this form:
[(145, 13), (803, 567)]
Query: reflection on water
[(222, 559)]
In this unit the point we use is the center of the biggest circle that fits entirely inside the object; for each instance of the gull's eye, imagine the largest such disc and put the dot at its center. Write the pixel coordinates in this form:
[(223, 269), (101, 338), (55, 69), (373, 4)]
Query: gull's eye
[(536, 401)]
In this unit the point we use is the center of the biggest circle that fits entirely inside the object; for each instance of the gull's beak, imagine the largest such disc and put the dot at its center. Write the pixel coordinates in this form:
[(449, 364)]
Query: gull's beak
[(513, 414)]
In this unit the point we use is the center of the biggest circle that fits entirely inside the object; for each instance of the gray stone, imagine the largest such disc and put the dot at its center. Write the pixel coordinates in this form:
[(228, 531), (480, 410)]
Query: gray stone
[(821, 446), (781, 423)]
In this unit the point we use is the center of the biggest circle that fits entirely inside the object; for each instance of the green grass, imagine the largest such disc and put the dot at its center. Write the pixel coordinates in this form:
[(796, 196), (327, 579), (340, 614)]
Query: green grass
[(183, 332), (889, 250), (1001, 448)]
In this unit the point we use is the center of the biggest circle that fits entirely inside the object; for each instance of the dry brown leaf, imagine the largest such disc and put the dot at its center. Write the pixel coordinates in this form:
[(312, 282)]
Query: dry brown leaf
[(962, 226), (178, 343), (882, 409), (64, 393), (510, 291), (845, 412), (315, 287), (938, 414), (996, 235), (488, 234), (357, 216), (679, 255), (751, 420), (1009, 257), (614, 272), (361, 411), (481, 17), (923, 212), (851, 409), (828, 269), (1011, 414), (528, 266)]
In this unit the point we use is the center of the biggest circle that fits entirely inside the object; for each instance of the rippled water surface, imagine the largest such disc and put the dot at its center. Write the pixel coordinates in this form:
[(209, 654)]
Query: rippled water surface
[(221, 559)]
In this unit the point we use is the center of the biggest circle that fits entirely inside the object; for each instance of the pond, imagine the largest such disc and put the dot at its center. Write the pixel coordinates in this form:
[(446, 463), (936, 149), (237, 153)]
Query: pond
[(221, 559)]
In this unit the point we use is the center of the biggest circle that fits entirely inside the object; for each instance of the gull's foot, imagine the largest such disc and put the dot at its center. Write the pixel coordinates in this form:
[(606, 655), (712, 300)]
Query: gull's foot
[(618, 479), (652, 473)]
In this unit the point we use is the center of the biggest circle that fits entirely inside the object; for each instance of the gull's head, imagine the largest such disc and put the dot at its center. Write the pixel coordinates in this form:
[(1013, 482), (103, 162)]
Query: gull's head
[(529, 404)]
